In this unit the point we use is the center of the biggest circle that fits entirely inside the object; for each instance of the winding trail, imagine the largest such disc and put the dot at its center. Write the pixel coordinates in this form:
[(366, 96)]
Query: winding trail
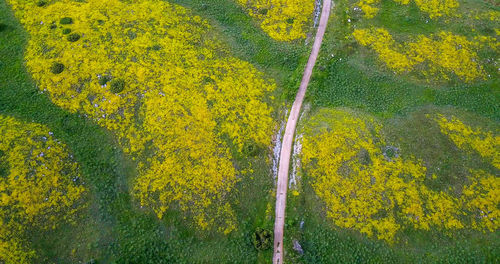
[(286, 147)]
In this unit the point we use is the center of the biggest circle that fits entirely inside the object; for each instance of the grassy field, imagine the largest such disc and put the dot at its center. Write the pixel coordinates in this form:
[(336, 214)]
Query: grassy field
[(115, 230), (349, 75), (415, 136)]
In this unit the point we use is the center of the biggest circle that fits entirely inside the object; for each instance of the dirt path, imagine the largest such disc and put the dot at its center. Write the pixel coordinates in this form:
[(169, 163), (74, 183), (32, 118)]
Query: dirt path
[(286, 147)]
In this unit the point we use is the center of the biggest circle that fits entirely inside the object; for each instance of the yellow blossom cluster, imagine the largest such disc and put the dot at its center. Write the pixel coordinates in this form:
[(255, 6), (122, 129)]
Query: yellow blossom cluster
[(482, 196), (382, 42), (367, 6), (485, 143), (40, 186), (436, 56), (283, 20), (157, 77), (491, 15), (367, 189), (434, 8)]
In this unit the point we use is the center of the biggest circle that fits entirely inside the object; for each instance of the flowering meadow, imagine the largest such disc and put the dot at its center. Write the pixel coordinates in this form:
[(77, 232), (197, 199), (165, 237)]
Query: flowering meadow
[(438, 56), (434, 8), (283, 20), (40, 186), (148, 131), (154, 75), (366, 185)]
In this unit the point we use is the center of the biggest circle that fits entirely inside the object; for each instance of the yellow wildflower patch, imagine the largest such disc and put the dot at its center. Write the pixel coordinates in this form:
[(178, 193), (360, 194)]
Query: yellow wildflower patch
[(382, 42), (485, 143), (283, 20), (434, 8), (437, 56), (154, 75), (368, 189), (482, 198), (40, 185)]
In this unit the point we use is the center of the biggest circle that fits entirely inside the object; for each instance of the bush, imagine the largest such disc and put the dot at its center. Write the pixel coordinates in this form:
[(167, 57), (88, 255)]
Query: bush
[(66, 31), (73, 37), (104, 79), (57, 68), (262, 239), (250, 149), (41, 3), (117, 85), (2, 27), (66, 21)]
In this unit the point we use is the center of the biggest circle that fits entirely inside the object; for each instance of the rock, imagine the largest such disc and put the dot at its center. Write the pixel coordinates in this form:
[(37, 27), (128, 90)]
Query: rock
[(297, 247)]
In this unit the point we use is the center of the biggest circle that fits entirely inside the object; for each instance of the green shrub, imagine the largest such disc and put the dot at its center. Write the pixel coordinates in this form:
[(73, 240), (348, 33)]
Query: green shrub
[(66, 21), (250, 149), (262, 239), (66, 31), (104, 79), (73, 37), (117, 85), (57, 68), (2, 27), (156, 47), (41, 3), (263, 11)]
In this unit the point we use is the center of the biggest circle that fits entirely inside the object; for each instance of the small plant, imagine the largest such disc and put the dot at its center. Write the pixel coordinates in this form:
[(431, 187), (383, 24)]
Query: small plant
[(262, 238), (66, 31), (263, 11), (117, 85), (156, 47), (53, 25), (391, 153), (73, 37), (66, 21), (250, 150), (104, 79), (57, 68), (41, 3)]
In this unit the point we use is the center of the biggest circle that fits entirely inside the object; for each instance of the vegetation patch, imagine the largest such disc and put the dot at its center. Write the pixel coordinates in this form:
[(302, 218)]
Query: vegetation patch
[(66, 21), (57, 68), (383, 196), (179, 129), (283, 20), (41, 190), (116, 85), (262, 239), (73, 37)]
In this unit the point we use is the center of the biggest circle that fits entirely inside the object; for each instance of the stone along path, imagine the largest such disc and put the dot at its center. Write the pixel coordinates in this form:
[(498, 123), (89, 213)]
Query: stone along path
[(286, 147)]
